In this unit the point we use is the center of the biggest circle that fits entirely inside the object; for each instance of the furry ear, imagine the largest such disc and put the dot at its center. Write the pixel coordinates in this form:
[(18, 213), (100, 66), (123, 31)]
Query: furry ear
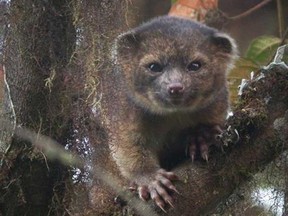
[(126, 44), (224, 43)]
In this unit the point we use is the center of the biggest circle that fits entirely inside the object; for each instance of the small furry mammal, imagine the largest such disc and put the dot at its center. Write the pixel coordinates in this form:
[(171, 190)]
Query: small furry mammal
[(172, 97)]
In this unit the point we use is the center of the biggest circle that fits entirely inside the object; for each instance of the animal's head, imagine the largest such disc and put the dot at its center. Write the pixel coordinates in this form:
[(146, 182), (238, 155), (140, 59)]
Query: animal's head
[(173, 65)]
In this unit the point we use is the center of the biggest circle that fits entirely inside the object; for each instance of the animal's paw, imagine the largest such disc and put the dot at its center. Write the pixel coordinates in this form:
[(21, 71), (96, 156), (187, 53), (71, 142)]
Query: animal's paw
[(157, 186), (201, 139)]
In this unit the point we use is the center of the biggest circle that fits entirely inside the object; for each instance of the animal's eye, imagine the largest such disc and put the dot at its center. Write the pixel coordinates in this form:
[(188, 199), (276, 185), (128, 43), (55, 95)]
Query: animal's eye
[(194, 66), (155, 67)]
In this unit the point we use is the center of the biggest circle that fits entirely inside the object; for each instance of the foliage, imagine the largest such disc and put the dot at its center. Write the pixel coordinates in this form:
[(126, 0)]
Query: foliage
[(259, 54), (262, 49)]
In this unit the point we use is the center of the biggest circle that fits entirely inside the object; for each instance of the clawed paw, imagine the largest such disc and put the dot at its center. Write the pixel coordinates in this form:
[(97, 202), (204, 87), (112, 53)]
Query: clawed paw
[(201, 139), (158, 187)]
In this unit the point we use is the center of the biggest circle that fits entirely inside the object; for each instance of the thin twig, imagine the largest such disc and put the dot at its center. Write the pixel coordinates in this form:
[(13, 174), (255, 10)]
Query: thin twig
[(285, 35), (280, 18), (251, 10)]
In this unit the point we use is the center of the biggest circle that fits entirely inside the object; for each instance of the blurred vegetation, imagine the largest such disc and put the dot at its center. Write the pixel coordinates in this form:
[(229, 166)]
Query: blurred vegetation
[(260, 53)]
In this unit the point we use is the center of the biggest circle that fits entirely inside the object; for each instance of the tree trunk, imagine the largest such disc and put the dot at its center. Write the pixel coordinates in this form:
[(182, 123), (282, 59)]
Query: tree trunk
[(38, 47)]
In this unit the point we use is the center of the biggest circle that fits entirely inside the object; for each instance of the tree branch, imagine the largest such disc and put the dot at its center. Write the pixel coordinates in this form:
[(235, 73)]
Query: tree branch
[(250, 11)]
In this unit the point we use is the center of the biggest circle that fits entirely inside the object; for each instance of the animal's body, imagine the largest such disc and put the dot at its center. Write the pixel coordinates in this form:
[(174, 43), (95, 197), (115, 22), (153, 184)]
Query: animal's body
[(171, 91)]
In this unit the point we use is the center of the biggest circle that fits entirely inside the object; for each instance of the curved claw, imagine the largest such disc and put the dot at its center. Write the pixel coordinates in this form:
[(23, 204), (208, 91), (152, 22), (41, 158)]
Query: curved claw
[(159, 188), (162, 208), (201, 139), (205, 157), (143, 192), (192, 148), (170, 203), (173, 188), (157, 199)]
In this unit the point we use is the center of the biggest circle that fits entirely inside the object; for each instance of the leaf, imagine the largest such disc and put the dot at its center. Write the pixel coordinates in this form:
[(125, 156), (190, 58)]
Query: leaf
[(242, 70), (262, 49)]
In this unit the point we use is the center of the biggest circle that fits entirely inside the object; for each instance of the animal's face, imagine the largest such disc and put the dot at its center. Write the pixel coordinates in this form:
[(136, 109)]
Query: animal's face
[(173, 65)]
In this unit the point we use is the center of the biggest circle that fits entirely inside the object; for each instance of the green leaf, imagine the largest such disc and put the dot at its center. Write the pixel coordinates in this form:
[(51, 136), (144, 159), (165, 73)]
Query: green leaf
[(242, 70), (262, 49)]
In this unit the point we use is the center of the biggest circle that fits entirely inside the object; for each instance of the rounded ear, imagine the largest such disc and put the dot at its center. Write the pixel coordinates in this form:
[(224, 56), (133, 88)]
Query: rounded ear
[(224, 44), (126, 44)]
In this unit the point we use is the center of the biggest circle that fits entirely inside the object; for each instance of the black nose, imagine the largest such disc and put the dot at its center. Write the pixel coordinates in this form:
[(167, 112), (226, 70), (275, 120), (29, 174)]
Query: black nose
[(175, 89)]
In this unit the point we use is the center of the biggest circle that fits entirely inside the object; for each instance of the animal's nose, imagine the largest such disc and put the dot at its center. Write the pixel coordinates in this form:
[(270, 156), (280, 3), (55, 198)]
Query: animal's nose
[(175, 88)]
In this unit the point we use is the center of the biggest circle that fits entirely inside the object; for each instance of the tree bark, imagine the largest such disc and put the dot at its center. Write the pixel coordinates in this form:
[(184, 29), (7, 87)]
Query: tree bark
[(285, 207), (38, 47)]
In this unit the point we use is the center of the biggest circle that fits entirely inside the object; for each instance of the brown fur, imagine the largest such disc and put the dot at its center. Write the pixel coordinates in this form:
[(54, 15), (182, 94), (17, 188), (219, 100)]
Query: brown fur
[(150, 122)]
